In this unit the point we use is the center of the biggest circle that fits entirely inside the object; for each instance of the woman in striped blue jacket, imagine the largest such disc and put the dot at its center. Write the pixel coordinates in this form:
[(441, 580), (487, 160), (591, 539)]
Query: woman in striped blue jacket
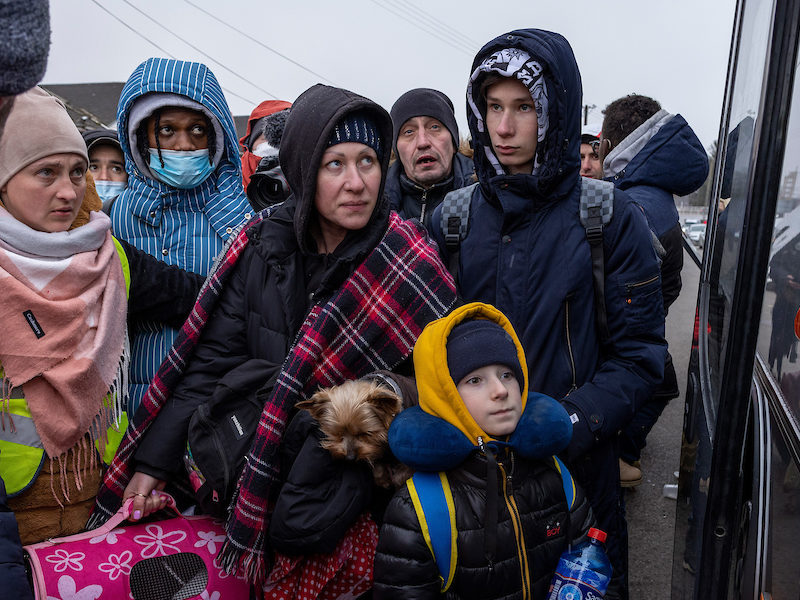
[(184, 195)]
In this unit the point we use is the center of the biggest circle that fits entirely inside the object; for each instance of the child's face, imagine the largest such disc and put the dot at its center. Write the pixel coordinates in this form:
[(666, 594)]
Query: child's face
[(492, 396)]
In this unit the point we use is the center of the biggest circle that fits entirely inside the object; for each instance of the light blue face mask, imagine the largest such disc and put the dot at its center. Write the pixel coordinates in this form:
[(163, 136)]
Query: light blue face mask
[(183, 169), (108, 190)]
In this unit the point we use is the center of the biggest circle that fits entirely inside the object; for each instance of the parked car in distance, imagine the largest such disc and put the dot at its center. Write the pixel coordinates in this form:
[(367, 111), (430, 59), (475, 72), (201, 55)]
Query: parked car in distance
[(688, 222), (697, 234)]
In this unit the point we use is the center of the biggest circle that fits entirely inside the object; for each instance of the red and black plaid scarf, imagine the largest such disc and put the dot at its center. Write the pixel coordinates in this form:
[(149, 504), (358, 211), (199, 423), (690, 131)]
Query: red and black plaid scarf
[(370, 323)]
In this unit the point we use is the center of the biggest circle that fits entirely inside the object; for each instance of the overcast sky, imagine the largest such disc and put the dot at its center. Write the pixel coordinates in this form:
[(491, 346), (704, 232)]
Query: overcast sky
[(676, 52)]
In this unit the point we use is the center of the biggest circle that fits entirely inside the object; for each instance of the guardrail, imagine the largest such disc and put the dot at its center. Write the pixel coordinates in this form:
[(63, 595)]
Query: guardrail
[(695, 253)]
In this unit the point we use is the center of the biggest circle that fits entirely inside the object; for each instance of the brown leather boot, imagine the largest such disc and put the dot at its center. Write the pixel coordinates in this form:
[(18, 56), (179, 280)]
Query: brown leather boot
[(629, 475)]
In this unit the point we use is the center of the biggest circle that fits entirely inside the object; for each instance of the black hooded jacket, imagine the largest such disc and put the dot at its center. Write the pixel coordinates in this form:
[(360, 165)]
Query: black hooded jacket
[(278, 278)]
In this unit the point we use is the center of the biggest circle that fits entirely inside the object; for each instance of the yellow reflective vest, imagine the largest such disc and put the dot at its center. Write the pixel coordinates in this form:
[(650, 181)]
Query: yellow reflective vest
[(21, 451)]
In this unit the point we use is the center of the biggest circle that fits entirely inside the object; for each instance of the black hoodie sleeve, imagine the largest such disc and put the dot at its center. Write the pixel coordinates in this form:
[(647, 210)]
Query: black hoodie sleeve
[(321, 498), (158, 291)]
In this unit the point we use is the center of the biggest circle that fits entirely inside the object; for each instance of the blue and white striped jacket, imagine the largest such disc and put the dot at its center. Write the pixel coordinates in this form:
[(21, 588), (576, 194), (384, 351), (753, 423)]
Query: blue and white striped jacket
[(187, 228)]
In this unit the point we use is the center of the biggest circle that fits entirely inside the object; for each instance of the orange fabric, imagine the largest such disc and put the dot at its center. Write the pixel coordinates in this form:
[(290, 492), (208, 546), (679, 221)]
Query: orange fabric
[(249, 165), (250, 160), (91, 202)]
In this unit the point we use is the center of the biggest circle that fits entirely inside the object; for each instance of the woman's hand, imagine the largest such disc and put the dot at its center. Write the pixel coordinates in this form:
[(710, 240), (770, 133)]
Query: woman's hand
[(144, 491)]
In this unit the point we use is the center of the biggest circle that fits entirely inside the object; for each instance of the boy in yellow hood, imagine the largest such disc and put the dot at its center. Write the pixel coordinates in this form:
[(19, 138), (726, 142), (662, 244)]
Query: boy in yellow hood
[(515, 507)]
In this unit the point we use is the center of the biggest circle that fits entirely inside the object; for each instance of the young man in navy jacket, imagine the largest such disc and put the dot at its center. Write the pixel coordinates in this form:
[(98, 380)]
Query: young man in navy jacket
[(526, 252)]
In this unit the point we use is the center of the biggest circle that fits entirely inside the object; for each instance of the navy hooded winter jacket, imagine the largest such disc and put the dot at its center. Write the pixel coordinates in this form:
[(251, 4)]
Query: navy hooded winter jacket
[(661, 158)]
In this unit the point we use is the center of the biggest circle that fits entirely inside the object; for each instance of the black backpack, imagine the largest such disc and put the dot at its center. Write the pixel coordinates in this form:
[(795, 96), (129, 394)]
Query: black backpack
[(596, 211), (221, 431)]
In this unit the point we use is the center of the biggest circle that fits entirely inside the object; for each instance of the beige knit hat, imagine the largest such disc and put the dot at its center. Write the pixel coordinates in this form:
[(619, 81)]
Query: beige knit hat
[(37, 126)]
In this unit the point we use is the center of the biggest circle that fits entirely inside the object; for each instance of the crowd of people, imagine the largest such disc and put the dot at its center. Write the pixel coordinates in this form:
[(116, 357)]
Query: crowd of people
[(388, 297)]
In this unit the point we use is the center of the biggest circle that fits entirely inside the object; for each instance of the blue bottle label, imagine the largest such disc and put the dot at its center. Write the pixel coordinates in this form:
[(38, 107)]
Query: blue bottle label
[(575, 582)]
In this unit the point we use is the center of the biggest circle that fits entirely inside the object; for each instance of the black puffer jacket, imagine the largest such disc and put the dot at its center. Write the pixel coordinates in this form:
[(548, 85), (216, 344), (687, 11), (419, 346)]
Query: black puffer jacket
[(547, 527), (412, 201), (279, 276), (321, 498)]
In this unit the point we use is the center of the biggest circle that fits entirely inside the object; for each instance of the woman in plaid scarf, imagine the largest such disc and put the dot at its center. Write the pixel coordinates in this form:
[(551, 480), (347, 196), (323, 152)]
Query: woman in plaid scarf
[(329, 287)]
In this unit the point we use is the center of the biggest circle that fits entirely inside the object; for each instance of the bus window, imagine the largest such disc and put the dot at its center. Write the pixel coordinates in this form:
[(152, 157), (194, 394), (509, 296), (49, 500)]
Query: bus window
[(738, 515), (729, 199), (778, 350), (732, 190), (778, 342)]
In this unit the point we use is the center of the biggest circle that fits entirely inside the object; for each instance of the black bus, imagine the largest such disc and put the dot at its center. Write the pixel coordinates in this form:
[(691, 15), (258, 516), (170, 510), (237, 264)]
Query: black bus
[(738, 513)]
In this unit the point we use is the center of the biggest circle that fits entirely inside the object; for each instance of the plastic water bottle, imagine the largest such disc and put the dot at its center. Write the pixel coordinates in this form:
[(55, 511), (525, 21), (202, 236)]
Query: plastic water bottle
[(584, 572)]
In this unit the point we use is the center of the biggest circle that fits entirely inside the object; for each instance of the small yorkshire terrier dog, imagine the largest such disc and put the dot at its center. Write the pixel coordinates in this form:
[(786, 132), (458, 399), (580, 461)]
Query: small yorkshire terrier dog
[(354, 417)]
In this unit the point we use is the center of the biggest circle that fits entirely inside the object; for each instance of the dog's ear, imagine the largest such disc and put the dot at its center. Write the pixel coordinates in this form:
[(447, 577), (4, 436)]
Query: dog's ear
[(315, 404), (386, 402)]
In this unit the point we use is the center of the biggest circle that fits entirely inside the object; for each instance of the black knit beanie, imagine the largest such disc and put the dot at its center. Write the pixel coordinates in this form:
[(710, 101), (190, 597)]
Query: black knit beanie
[(357, 127), (24, 44), (479, 343), (424, 102)]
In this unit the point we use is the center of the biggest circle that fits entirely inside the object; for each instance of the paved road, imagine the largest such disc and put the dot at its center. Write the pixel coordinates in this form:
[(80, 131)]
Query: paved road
[(651, 516)]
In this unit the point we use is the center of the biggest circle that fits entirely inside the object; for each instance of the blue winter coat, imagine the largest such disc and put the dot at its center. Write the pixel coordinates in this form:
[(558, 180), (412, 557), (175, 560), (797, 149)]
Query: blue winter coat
[(660, 159), (526, 253), (664, 159), (187, 228)]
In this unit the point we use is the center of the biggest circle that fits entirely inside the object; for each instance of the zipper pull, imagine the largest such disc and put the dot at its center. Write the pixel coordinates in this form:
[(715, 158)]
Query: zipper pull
[(481, 445)]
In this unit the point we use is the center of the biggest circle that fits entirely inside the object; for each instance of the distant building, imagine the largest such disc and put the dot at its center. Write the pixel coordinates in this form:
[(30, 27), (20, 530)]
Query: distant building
[(94, 105), (91, 105)]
